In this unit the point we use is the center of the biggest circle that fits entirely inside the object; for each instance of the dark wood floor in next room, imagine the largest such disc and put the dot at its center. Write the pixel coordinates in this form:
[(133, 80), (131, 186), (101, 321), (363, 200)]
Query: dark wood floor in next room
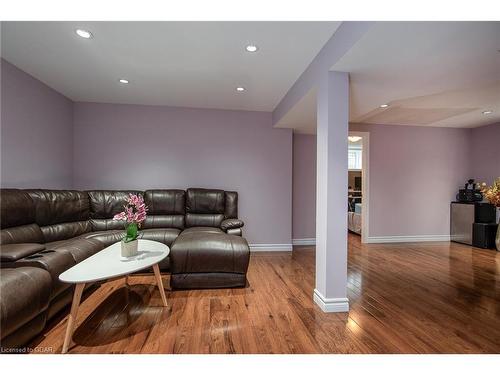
[(405, 298)]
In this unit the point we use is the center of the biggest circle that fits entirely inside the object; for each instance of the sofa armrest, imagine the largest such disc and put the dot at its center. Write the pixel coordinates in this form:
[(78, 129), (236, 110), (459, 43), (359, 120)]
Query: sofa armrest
[(228, 224), (16, 251)]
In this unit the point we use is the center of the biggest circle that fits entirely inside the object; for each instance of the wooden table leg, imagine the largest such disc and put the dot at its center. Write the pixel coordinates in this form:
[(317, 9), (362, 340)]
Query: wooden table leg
[(156, 270), (72, 316)]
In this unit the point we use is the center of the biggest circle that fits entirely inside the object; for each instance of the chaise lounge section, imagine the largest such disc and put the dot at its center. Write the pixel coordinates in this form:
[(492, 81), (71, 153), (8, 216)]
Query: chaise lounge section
[(45, 232)]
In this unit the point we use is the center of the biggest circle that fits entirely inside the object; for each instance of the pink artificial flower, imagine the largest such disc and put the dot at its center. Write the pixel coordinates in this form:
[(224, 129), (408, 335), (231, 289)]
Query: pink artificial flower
[(135, 210), (120, 216), (132, 199), (130, 214), (141, 216)]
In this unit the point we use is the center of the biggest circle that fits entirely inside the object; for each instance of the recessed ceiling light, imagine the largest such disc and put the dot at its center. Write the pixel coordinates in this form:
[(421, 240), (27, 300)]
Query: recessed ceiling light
[(384, 105), (487, 112), (83, 33), (125, 81), (252, 48), (353, 138), (240, 89)]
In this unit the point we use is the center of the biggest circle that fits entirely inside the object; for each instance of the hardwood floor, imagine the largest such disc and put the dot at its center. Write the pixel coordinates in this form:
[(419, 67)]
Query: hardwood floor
[(405, 298)]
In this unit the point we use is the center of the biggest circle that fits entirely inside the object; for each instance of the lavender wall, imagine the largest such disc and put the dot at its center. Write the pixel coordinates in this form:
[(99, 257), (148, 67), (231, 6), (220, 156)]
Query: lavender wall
[(304, 186), (485, 150), (139, 147), (36, 132), (414, 174)]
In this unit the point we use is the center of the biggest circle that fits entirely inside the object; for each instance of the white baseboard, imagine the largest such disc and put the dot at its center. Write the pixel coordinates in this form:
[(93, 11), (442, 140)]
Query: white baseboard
[(270, 247), (419, 238), (331, 304), (304, 241)]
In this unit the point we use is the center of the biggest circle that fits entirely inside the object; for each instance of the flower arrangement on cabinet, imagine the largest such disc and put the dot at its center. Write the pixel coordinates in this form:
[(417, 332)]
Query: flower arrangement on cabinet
[(492, 193)]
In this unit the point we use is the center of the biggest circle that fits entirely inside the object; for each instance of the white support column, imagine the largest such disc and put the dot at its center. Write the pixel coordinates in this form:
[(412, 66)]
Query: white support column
[(331, 193)]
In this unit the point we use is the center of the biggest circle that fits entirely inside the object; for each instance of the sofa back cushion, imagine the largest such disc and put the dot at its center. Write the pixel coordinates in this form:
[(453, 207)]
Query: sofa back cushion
[(205, 207), (61, 214), (166, 208), (231, 208), (104, 204), (17, 218), (59, 206), (16, 207), (29, 233)]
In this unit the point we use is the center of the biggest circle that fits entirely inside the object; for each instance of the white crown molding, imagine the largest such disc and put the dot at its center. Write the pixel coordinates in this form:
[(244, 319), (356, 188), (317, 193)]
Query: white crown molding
[(270, 247), (331, 304), (303, 241), (418, 238)]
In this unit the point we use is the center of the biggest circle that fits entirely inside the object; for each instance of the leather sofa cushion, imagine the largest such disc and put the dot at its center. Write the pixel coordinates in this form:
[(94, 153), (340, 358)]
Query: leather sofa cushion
[(205, 201), (201, 230), (107, 237), (209, 252), (59, 206), (26, 332), (65, 231), (164, 235), (16, 208), (106, 224), (166, 208), (231, 208), (30, 233), (79, 248), (55, 261), (25, 293), (204, 207), (13, 252), (165, 202), (104, 204), (204, 220), (164, 221)]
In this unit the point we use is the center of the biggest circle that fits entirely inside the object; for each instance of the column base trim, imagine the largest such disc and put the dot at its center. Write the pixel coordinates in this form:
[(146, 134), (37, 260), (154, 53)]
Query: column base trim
[(329, 305), (304, 241)]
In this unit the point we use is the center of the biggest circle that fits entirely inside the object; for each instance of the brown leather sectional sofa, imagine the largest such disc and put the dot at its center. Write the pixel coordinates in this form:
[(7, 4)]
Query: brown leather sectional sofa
[(45, 232)]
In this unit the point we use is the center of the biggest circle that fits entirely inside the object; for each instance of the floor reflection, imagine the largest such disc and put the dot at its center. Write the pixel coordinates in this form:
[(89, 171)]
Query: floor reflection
[(126, 312)]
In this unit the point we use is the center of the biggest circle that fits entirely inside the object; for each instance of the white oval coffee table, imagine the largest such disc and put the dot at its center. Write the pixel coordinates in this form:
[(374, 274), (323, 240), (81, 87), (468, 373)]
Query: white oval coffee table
[(107, 264)]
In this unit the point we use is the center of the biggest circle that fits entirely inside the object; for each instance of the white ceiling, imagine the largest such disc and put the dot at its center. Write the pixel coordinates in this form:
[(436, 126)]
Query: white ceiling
[(189, 64), (431, 73)]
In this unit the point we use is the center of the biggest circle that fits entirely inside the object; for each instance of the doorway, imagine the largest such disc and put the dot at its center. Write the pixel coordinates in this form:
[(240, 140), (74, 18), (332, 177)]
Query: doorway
[(358, 181)]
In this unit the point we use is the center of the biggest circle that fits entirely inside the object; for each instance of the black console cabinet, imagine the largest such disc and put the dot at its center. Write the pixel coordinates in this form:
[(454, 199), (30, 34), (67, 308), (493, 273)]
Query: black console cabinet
[(463, 215), (483, 235)]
